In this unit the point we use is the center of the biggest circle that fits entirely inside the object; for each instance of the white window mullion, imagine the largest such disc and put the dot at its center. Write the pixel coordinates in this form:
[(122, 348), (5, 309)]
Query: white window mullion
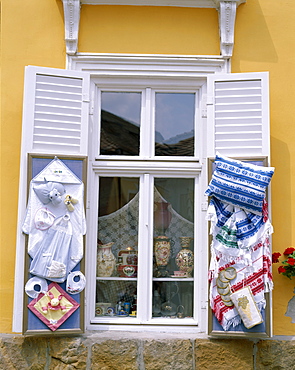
[(200, 256), (146, 133), (91, 240), (95, 140), (197, 125), (144, 274)]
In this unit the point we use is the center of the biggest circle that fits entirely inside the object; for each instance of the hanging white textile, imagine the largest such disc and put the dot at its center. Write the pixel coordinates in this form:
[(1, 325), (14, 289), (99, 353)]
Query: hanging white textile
[(56, 231)]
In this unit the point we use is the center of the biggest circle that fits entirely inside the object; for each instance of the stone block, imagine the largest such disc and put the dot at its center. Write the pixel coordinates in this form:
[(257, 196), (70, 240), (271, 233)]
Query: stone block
[(275, 355), (224, 354), (168, 354), (21, 353), (67, 353), (114, 355)]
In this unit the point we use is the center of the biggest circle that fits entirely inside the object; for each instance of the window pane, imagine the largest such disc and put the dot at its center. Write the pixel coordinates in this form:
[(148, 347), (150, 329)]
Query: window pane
[(173, 299), (174, 124), (117, 242), (120, 123), (173, 247)]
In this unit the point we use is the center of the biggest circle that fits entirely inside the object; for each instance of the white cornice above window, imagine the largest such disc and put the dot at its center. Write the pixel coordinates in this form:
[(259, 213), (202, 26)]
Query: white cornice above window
[(226, 9), (177, 3)]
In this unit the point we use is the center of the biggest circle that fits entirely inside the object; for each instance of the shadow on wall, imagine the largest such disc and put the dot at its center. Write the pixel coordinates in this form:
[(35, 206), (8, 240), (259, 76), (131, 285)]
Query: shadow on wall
[(281, 195), (253, 41)]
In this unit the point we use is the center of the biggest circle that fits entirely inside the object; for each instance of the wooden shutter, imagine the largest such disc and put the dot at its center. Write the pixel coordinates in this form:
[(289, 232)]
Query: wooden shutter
[(238, 115), (238, 127), (55, 112), (55, 123)]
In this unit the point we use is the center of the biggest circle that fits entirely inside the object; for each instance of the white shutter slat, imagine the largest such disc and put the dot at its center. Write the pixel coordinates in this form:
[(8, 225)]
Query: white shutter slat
[(55, 118), (239, 114)]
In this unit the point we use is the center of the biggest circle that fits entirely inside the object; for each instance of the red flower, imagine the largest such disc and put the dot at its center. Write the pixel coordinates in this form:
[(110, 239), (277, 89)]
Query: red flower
[(275, 257), (281, 269), (291, 261), (289, 250)]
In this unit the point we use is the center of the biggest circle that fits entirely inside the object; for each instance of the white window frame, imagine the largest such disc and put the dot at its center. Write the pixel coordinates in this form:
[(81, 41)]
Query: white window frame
[(114, 71), (148, 74)]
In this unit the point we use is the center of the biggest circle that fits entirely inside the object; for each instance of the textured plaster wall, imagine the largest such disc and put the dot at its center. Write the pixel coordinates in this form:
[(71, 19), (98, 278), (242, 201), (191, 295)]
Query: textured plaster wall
[(32, 32)]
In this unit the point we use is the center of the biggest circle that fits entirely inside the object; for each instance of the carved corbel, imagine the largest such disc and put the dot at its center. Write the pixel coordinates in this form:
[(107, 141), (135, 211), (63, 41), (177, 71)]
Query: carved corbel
[(71, 19), (227, 17)]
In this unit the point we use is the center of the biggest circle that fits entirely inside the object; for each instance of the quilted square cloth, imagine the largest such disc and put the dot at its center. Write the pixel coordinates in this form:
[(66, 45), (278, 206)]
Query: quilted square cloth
[(240, 183), (53, 315)]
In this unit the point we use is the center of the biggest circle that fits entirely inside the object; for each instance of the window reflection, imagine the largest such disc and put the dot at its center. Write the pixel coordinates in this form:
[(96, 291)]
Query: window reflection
[(120, 123), (174, 124)]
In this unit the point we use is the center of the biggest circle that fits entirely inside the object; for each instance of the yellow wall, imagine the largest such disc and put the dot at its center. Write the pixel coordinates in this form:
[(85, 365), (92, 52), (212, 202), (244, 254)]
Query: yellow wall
[(265, 41), (148, 30), (32, 33)]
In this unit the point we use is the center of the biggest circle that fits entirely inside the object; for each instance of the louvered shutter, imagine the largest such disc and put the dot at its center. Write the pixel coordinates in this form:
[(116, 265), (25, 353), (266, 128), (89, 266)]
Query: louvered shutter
[(238, 127), (238, 114), (55, 123), (55, 112)]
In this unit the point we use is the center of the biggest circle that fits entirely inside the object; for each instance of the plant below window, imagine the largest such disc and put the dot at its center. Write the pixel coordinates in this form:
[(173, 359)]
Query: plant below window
[(288, 265)]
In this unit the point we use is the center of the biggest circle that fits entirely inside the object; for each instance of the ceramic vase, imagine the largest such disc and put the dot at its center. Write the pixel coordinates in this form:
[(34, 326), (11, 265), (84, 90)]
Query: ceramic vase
[(185, 257), (106, 260), (162, 216), (162, 249)]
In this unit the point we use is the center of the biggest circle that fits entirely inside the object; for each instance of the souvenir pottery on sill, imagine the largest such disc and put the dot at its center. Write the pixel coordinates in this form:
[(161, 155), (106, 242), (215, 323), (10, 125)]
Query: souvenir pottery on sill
[(106, 261), (162, 249), (185, 257), (127, 262), (103, 308)]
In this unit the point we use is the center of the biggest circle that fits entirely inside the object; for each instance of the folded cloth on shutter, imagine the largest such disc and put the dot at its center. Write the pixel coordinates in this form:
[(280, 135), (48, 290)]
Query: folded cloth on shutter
[(259, 280), (240, 240), (234, 230), (239, 183)]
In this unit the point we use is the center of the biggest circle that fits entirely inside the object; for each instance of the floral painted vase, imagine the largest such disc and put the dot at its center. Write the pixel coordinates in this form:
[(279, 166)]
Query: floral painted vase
[(185, 257), (162, 248), (106, 260)]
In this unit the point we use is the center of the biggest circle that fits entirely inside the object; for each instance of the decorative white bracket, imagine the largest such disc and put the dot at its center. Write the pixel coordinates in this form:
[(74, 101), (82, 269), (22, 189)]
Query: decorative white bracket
[(226, 9), (71, 19), (227, 18)]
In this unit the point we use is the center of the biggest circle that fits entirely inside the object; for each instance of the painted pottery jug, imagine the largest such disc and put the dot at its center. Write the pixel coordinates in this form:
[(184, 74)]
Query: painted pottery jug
[(185, 257), (106, 260)]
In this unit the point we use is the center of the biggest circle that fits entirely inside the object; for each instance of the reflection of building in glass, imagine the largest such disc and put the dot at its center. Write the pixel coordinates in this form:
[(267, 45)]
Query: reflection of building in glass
[(182, 148), (121, 137), (118, 136)]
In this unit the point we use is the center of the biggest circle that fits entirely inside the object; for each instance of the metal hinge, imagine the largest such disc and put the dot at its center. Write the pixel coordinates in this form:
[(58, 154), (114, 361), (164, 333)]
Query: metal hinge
[(91, 103), (207, 100), (204, 206)]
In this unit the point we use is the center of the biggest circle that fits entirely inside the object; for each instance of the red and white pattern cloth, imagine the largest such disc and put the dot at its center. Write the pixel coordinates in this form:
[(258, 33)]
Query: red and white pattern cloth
[(252, 264), (257, 276)]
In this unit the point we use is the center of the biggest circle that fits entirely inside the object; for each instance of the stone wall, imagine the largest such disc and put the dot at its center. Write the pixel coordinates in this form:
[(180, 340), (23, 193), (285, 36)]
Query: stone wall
[(140, 351)]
